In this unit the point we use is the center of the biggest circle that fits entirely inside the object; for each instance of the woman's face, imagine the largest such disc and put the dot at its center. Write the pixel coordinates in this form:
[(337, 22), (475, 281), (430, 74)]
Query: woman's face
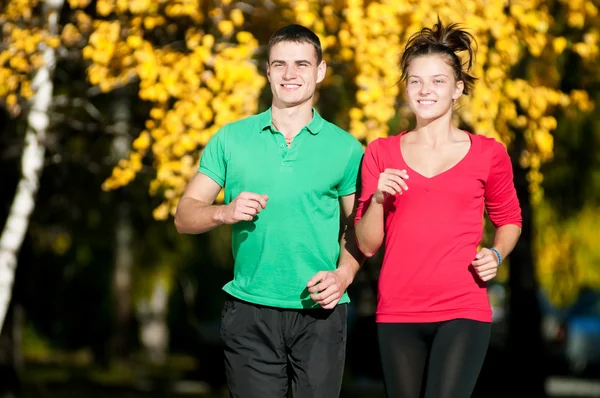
[(431, 87)]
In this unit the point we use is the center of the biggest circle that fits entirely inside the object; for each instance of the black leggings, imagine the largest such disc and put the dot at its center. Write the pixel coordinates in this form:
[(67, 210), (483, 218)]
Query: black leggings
[(432, 360)]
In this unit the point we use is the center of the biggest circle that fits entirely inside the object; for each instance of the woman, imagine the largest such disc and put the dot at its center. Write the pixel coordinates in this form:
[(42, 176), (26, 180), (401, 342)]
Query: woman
[(433, 314)]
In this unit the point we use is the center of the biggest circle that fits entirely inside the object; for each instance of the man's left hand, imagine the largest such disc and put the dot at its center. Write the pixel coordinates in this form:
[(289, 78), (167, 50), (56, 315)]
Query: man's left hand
[(327, 287)]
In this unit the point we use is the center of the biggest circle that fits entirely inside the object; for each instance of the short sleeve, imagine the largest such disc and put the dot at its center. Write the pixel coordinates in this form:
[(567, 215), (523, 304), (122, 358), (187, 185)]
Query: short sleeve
[(349, 181), (501, 201), (213, 162), (369, 176)]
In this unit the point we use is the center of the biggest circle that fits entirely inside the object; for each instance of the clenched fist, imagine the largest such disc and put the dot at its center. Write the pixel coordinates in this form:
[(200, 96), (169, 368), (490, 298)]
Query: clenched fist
[(243, 208), (485, 264), (391, 182), (327, 287)]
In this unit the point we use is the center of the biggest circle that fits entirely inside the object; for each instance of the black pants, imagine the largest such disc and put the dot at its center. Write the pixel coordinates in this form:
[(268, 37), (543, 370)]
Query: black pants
[(432, 360), (269, 351)]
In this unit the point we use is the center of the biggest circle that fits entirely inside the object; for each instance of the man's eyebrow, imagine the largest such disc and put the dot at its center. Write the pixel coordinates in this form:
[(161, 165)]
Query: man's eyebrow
[(300, 61)]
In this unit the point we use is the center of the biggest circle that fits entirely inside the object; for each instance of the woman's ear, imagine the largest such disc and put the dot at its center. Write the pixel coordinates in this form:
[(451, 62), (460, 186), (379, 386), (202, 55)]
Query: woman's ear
[(460, 86)]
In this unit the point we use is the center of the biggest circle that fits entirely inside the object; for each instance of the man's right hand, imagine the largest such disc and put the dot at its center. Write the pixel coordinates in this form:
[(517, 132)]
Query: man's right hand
[(243, 208)]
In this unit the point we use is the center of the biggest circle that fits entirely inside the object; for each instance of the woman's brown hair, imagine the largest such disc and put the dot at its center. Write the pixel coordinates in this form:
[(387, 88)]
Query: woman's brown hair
[(447, 41)]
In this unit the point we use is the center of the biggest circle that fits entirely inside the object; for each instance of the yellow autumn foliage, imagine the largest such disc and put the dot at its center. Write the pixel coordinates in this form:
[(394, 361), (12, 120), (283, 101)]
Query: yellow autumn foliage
[(215, 77), (568, 249), (198, 64)]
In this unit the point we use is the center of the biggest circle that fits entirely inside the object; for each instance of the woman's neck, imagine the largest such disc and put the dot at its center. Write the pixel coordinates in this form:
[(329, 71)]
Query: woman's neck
[(436, 131)]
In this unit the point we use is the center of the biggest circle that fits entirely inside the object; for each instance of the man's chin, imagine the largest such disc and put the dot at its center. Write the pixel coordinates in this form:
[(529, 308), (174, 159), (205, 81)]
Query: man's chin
[(289, 103)]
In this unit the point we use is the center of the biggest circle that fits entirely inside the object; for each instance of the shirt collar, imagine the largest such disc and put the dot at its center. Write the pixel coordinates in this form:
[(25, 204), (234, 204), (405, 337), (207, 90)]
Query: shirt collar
[(314, 126)]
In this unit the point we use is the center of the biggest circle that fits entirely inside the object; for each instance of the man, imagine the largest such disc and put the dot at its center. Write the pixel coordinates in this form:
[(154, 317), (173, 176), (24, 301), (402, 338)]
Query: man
[(285, 173)]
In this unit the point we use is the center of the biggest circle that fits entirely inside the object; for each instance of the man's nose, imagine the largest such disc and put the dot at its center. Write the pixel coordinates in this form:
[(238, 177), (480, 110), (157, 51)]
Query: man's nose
[(289, 72)]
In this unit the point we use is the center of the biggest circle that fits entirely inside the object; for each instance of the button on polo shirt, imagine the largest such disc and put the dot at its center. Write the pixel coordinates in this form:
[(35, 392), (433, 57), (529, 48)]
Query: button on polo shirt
[(296, 235)]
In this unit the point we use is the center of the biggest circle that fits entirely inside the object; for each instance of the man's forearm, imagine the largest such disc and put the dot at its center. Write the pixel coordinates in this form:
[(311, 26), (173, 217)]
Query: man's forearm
[(350, 255), (195, 217), (506, 238)]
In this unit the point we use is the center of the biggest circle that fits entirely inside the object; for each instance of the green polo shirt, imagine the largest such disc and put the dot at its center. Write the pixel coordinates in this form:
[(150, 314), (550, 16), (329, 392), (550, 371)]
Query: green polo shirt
[(296, 235)]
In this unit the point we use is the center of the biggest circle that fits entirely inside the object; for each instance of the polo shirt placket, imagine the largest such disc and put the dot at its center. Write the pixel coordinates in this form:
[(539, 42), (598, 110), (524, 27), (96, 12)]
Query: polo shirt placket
[(290, 154)]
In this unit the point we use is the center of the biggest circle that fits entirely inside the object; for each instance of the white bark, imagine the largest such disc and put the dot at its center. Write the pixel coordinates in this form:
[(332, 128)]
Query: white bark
[(32, 162), (154, 333), (124, 231), (151, 311)]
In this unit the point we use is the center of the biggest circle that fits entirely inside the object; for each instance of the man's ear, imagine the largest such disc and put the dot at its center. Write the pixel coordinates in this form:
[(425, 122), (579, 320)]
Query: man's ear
[(268, 69), (321, 71)]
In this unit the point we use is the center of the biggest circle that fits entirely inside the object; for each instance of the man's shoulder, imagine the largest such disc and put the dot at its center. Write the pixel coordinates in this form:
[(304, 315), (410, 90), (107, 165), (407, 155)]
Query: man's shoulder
[(332, 128), (244, 124), (233, 132), (338, 133)]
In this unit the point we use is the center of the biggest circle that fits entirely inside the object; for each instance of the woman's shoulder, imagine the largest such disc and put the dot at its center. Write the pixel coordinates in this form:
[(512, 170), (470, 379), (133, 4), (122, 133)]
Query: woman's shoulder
[(484, 139), (384, 143), (487, 143), (384, 149)]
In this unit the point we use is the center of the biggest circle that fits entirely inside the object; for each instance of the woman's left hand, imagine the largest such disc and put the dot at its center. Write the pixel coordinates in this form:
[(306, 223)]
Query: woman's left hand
[(485, 264)]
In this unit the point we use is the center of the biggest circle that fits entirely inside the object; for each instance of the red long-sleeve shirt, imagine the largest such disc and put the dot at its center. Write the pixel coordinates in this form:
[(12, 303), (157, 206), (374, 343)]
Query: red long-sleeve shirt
[(432, 231)]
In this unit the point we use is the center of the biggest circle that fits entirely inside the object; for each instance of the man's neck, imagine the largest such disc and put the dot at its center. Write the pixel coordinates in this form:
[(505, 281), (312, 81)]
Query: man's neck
[(290, 121)]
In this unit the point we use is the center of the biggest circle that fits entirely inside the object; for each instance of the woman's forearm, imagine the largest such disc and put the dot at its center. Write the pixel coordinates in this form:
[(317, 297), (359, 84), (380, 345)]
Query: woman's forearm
[(506, 238), (369, 229)]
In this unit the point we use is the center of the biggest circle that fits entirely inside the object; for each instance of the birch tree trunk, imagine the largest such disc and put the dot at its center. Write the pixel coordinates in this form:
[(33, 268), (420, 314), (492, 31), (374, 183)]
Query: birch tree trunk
[(124, 234), (152, 312), (32, 163)]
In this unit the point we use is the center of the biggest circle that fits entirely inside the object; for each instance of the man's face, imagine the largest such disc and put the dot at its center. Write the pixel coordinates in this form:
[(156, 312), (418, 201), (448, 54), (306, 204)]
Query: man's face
[(293, 72)]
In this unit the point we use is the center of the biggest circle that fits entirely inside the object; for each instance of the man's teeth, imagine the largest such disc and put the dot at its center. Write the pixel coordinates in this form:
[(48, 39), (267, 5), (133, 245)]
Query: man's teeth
[(426, 102), (291, 85)]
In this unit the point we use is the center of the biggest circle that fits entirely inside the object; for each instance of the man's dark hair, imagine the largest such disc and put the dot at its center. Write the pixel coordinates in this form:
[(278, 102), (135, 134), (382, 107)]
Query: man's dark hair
[(297, 34)]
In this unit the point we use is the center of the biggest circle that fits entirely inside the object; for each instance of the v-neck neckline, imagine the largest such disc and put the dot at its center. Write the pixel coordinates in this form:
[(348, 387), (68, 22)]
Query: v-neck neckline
[(456, 166)]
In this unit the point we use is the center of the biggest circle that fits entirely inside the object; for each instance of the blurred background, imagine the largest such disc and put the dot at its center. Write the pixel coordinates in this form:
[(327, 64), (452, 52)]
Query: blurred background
[(107, 104)]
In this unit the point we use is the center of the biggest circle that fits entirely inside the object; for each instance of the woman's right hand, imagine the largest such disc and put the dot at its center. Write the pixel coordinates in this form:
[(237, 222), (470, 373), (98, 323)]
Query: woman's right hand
[(391, 182)]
